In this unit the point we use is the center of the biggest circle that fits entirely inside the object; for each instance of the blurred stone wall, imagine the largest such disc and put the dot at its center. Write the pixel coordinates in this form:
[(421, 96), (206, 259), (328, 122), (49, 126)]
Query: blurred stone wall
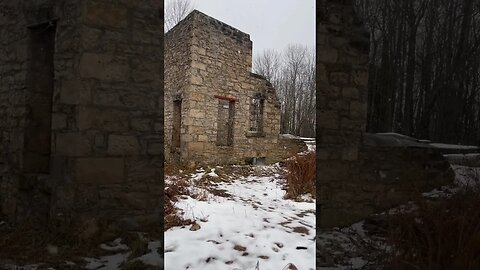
[(342, 77), (105, 109)]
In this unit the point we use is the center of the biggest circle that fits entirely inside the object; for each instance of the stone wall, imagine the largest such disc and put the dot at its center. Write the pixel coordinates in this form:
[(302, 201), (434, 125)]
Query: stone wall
[(218, 67), (22, 107), (388, 176), (106, 154), (178, 58), (342, 76)]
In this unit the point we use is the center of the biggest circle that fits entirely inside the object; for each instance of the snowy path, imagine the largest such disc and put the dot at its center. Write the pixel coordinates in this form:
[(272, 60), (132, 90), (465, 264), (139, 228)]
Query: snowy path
[(253, 224)]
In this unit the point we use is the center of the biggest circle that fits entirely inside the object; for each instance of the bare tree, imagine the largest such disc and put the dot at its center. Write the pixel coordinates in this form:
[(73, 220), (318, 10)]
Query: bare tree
[(292, 73), (424, 68), (175, 11), (268, 64)]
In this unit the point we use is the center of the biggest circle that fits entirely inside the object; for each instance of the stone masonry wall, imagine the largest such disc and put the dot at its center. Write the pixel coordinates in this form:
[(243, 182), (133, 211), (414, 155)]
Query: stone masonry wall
[(106, 117), (177, 76), (342, 61), (19, 190), (115, 95), (220, 65), (387, 177)]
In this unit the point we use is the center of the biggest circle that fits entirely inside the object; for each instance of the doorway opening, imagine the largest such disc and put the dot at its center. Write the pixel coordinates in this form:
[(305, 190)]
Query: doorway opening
[(226, 115), (40, 84), (177, 124)]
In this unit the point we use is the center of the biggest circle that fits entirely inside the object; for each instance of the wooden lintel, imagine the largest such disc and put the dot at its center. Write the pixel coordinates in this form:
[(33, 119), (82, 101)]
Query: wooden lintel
[(231, 99)]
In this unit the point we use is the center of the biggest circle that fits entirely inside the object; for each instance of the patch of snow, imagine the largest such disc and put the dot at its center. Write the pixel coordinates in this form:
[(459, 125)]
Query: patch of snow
[(358, 228), (311, 146), (409, 207), (358, 262), (255, 224), (212, 173), (469, 155), (52, 249), (397, 135), (152, 257), (111, 262), (115, 245), (467, 176), (23, 267), (197, 176), (306, 197), (453, 146), (433, 194)]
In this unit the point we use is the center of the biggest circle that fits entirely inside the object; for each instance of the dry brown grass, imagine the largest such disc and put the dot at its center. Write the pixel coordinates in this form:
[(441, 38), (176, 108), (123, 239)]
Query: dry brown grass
[(172, 191), (444, 234), (301, 175)]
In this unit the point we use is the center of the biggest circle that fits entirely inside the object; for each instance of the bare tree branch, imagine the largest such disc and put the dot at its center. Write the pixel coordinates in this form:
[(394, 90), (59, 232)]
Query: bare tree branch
[(175, 11)]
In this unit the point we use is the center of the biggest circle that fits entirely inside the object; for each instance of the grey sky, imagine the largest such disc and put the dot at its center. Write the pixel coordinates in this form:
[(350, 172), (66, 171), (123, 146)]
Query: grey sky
[(272, 24)]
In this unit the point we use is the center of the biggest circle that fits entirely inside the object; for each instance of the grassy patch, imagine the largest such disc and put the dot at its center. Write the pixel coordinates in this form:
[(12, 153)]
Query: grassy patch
[(443, 234), (301, 175), (175, 188)]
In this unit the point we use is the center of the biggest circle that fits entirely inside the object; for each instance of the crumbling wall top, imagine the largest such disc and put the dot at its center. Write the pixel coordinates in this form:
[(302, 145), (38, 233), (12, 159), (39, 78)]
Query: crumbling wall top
[(227, 30)]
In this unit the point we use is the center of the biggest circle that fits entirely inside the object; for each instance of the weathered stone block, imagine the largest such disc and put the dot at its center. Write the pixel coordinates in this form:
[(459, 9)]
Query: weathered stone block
[(123, 145), (101, 97), (105, 14), (196, 80), (327, 55), (103, 67), (196, 146), (100, 141), (350, 93), (350, 153), (143, 102), (360, 77), (59, 121), (102, 119), (140, 124), (328, 119), (199, 65), (99, 171), (340, 78), (74, 91), (358, 109), (72, 144), (155, 148)]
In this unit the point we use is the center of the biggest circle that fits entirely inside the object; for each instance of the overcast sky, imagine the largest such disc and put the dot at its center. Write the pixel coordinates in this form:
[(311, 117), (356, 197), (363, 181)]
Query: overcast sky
[(272, 24)]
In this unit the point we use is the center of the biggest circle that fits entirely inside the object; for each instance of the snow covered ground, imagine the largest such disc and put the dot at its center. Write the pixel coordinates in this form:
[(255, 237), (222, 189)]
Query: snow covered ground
[(114, 261), (251, 223)]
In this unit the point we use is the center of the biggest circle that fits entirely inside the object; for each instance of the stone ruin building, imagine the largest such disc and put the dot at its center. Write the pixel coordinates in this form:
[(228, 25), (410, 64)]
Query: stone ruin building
[(216, 109), (81, 108), (359, 173)]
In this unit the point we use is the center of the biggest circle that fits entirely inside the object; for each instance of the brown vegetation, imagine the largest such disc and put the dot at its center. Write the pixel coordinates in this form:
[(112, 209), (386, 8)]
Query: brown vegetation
[(301, 175), (172, 191), (443, 234)]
